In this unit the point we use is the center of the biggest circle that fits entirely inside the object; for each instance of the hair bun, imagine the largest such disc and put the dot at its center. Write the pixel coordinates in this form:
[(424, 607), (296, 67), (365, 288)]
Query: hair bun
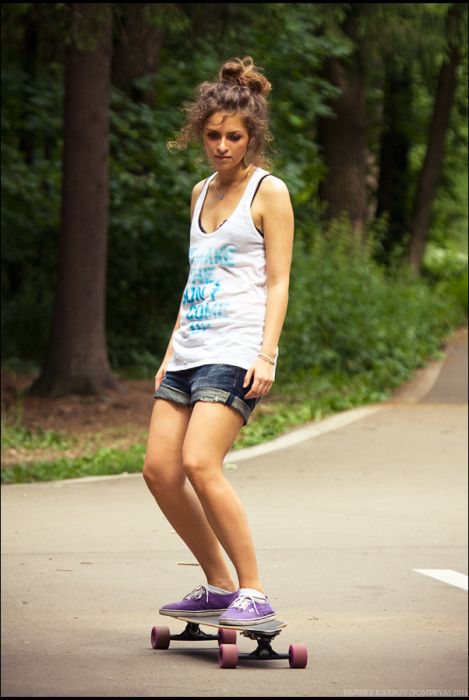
[(243, 72)]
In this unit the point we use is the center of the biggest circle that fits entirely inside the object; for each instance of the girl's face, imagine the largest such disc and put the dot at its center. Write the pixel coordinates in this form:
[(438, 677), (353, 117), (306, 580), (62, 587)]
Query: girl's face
[(225, 140)]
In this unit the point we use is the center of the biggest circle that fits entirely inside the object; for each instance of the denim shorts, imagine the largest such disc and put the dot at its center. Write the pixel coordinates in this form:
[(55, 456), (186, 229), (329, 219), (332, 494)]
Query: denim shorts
[(217, 382)]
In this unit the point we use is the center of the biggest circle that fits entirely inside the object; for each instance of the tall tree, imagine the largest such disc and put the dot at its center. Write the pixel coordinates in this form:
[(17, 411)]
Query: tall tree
[(77, 358), (394, 180), (343, 138), (136, 50), (433, 161), (139, 31)]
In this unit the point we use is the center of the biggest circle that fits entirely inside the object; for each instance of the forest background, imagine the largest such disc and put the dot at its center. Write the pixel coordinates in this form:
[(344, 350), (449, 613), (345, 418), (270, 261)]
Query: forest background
[(369, 116)]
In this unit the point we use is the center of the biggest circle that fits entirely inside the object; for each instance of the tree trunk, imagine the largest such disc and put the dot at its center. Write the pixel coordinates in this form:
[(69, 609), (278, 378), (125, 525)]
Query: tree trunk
[(29, 55), (136, 51), (343, 139), (392, 196), (433, 161), (77, 360)]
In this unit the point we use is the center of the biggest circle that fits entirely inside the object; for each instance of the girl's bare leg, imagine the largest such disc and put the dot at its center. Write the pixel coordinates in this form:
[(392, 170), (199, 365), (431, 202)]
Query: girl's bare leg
[(165, 477), (210, 433)]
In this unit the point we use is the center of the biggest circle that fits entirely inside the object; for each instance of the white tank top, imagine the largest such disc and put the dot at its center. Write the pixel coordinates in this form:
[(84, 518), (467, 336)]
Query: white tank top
[(224, 301)]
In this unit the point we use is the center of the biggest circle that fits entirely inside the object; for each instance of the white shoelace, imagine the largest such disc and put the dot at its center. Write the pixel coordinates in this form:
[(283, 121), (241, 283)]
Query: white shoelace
[(242, 602), (197, 593)]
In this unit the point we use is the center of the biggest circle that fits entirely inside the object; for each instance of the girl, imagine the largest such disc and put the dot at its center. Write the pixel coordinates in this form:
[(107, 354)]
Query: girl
[(222, 355)]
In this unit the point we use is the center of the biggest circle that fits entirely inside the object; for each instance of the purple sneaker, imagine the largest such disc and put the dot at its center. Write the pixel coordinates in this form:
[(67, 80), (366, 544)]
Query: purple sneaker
[(201, 603), (246, 610)]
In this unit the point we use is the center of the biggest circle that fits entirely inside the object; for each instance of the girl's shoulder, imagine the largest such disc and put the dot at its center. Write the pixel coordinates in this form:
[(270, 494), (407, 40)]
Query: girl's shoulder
[(272, 191), (196, 190), (273, 185)]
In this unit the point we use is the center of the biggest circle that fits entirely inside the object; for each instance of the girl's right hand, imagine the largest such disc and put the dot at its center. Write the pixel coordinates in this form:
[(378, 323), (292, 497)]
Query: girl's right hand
[(159, 376)]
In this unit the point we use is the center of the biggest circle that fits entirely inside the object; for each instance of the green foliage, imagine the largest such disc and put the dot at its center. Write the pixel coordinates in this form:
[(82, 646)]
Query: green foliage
[(31, 183), (443, 263), (445, 258), (456, 289), (347, 315), (149, 229), (15, 435), (149, 219)]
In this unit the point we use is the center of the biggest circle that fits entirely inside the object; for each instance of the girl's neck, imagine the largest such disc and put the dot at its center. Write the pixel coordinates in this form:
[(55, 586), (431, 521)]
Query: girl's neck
[(234, 177)]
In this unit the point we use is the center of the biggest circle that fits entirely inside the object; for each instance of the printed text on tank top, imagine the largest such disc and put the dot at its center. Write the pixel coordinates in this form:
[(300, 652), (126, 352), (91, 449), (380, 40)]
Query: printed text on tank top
[(202, 228)]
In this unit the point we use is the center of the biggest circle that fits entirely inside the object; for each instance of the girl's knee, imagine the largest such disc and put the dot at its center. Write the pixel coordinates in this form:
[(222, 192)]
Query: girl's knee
[(200, 470), (161, 477)]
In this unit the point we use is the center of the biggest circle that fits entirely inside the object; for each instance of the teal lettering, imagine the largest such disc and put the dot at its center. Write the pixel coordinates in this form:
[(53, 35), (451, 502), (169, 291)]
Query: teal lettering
[(215, 290), (202, 275), (206, 311), (193, 294), (223, 255), (199, 326)]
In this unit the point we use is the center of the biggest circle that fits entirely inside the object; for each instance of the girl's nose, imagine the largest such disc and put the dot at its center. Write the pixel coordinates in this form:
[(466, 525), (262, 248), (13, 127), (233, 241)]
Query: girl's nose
[(222, 145)]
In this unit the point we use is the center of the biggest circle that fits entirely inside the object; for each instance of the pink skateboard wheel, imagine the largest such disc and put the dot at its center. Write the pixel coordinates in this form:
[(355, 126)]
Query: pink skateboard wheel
[(228, 656), (226, 636), (298, 656), (160, 637)]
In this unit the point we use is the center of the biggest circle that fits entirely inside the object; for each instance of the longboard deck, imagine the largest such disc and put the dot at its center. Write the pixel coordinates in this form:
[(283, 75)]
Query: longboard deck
[(268, 627)]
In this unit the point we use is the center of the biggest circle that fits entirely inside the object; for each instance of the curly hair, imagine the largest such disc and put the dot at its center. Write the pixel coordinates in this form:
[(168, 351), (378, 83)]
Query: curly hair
[(240, 89)]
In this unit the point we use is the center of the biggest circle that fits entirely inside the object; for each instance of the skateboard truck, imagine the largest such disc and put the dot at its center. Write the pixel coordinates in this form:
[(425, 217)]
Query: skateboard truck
[(264, 651), (193, 633)]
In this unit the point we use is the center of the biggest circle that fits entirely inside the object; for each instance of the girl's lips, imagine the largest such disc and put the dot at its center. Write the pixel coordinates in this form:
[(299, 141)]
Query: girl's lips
[(222, 157)]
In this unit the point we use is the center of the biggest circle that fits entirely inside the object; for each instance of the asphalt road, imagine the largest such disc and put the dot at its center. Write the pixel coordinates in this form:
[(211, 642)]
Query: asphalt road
[(342, 521)]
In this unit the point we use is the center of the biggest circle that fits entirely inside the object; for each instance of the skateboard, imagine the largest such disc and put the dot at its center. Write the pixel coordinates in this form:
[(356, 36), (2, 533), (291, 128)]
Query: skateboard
[(228, 656)]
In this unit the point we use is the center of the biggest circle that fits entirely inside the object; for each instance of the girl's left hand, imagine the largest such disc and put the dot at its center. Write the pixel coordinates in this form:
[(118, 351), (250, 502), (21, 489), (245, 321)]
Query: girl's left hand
[(264, 376)]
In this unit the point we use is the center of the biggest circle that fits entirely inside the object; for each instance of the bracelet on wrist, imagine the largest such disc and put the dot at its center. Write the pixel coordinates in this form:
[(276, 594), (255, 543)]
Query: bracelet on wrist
[(266, 357)]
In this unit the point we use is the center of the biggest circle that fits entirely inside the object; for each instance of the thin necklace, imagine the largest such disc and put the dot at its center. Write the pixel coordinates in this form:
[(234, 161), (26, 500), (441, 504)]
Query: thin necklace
[(221, 196)]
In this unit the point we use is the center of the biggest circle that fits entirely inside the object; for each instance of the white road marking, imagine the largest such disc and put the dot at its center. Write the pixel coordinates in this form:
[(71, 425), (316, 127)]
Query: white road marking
[(454, 578)]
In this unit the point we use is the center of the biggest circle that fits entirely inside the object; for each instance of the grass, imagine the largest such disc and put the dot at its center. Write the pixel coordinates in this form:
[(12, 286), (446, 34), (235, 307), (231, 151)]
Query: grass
[(104, 461), (16, 436)]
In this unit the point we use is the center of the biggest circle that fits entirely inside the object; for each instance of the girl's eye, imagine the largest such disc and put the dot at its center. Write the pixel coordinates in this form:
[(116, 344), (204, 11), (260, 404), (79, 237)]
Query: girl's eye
[(213, 135)]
